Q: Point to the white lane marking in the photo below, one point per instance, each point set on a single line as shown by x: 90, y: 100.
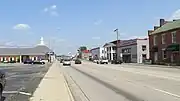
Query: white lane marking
x: 163, y: 91
x: 25, y: 93
x: 9, y: 92
x: 150, y: 87
x: 13, y: 92
x: 153, y: 88
x: 158, y: 76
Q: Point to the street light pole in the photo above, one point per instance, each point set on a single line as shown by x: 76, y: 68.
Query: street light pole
x: 117, y: 33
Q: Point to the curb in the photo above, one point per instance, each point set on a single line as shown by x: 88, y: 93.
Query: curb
x: 69, y: 91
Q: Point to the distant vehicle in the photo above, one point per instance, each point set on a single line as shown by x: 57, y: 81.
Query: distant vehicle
x: 103, y: 61
x: 5, y: 61
x: 2, y: 83
x: 66, y: 62
x: 28, y: 62
x: 95, y: 61
x: 116, y: 62
x: 78, y: 61
x: 12, y: 61
x: 38, y: 62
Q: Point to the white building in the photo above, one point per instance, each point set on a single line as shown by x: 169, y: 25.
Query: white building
x: 97, y: 53
x: 110, y: 50
x: 134, y: 50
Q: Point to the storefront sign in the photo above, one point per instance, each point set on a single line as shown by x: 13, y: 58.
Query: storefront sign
x: 128, y: 42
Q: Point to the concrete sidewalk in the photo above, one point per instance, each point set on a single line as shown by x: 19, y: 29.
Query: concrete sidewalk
x: 53, y: 86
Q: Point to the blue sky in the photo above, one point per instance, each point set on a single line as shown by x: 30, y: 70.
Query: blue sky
x: 67, y: 24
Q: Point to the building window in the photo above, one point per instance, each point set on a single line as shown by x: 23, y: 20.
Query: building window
x: 114, y: 48
x: 173, y: 34
x: 143, y: 47
x: 155, y: 40
x: 102, y: 51
x: 164, y: 54
x: 163, y: 39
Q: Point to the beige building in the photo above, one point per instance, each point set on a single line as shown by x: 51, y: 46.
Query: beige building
x: 39, y: 52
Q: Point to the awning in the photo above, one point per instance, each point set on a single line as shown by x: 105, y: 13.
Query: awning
x: 173, y: 47
x: 154, y: 49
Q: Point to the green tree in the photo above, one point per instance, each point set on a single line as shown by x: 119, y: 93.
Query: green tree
x: 82, y: 48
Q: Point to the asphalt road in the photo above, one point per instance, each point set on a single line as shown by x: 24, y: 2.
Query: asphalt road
x: 124, y: 82
x: 22, y: 80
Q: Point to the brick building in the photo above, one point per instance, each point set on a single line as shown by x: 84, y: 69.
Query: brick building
x: 164, y: 42
x: 85, y: 54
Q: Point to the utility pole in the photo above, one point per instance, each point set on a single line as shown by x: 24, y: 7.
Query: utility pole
x: 117, y: 33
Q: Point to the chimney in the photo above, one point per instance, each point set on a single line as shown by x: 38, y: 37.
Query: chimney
x: 156, y: 27
x: 149, y: 32
x: 162, y: 22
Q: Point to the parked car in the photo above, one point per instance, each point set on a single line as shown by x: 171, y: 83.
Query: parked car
x: 28, y: 62
x: 12, y: 61
x: 66, y: 62
x: 116, y: 62
x: 95, y: 61
x: 2, y: 83
x: 5, y: 61
x: 102, y: 61
x: 38, y: 62
x: 78, y: 61
x: 61, y: 60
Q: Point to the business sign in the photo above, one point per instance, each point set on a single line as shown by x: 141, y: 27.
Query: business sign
x: 128, y: 42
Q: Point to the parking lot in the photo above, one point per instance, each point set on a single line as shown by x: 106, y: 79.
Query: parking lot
x: 22, y: 80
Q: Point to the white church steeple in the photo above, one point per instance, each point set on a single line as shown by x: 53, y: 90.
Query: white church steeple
x: 42, y: 41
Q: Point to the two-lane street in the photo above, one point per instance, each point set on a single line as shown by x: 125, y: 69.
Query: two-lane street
x: 105, y: 82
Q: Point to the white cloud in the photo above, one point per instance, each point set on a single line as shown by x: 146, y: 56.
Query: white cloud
x: 96, y: 38
x: 21, y: 27
x: 54, y: 13
x: 52, y: 10
x: 58, y: 28
x: 98, y: 22
x: 175, y: 15
x: 45, y: 9
x: 53, y: 7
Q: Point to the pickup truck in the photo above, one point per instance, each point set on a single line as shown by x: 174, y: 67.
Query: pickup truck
x: 102, y: 61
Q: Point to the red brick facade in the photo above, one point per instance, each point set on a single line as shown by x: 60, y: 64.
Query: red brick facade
x: 171, y: 56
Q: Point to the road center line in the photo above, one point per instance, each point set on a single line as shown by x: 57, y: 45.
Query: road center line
x: 153, y: 88
x: 25, y: 93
